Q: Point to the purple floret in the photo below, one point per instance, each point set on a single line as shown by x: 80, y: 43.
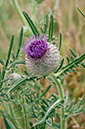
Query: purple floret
x: 36, y: 49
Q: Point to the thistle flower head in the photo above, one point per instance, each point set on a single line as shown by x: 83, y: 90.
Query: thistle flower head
x: 41, y: 56
x: 36, y: 48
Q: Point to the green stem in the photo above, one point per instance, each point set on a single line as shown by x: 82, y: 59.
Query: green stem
x: 14, y: 121
x: 19, y: 12
x: 24, y: 112
x: 61, y: 93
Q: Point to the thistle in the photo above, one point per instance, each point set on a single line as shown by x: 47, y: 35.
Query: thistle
x: 42, y: 57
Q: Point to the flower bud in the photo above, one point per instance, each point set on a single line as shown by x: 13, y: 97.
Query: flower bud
x: 13, y: 78
x: 42, y: 57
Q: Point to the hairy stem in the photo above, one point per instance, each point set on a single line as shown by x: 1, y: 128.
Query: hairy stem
x: 24, y: 111
x: 19, y: 12
x: 13, y: 120
x: 61, y: 96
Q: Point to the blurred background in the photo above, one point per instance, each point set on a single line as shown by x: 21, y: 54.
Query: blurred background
x: 68, y: 21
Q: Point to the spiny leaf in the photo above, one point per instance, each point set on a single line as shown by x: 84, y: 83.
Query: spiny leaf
x: 48, y: 111
x: 20, y: 41
x: 74, y: 54
x: 70, y: 65
x: 31, y: 24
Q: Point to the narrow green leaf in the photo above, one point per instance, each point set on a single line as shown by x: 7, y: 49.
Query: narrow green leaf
x: 9, y: 53
x: 56, y: 5
x: 70, y: 65
x: 5, y: 121
x: 46, y: 25
x: 72, y: 58
x: 60, y: 41
x: 20, y: 41
x: 48, y: 111
x: 70, y: 70
x: 79, y: 104
x: 81, y: 12
x: 62, y: 61
x: 6, y: 79
x: 41, y: 30
x: 73, y: 53
x: 1, y: 89
x: 20, y: 81
x: 73, y: 70
x: 70, y: 106
x: 17, y: 62
x: 31, y: 125
x: 17, y: 83
x: 13, y: 55
x: 44, y: 101
x: 83, y: 64
x: 45, y: 91
x: 78, y: 111
x: 67, y: 59
x: 2, y: 77
x: 58, y: 117
x: 83, y: 111
x: 56, y: 125
x: 31, y: 24
x: 1, y: 61
x: 51, y: 28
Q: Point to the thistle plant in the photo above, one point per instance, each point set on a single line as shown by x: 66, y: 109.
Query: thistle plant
x: 24, y: 106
